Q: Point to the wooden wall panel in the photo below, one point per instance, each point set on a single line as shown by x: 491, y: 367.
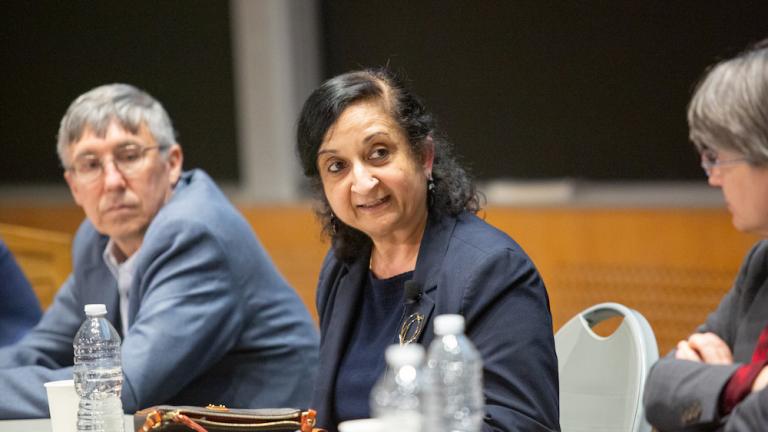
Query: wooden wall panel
x: 64, y: 218
x: 43, y: 255
x: 672, y: 265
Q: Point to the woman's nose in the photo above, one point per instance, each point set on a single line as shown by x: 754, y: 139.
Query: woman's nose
x: 362, y: 181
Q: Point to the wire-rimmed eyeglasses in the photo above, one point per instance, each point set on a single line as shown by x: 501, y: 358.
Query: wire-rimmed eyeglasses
x: 128, y: 159
x: 711, y: 160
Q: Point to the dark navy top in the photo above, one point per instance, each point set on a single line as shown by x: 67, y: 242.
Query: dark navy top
x: 377, y: 326
x: 19, y: 307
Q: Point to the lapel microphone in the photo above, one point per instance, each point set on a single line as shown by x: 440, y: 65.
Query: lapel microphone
x: 412, y: 291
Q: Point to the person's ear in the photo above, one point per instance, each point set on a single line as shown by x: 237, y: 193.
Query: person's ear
x: 175, y: 160
x: 428, y: 155
x: 74, y: 188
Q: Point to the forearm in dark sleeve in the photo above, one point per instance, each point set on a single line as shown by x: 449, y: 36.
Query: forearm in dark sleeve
x: 750, y: 415
x: 680, y: 393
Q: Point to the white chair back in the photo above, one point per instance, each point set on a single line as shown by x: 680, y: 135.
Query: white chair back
x: 602, y: 378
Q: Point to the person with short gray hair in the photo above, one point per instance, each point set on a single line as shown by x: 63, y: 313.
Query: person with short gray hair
x: 204, y: 315
x: 717, y: 378
x: 126, y: 104
x: 729, y: 110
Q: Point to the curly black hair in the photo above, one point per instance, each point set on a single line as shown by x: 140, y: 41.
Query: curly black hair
x: 453, y: 190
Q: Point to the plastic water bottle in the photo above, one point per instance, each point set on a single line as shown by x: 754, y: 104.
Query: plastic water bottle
x: 454, y: 400
x: 396, y: 398
x: 98, y: 375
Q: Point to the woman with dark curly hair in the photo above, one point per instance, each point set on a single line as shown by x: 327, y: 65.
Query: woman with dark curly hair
x: 406, y: 247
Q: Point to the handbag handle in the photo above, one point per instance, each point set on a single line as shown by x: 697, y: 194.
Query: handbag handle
x: 158, y: 418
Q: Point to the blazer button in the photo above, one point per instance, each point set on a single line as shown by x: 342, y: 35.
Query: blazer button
x: 692, y: 414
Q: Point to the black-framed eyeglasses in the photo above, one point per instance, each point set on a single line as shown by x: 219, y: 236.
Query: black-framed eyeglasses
x: 128, y: 159
x: 711, y: 160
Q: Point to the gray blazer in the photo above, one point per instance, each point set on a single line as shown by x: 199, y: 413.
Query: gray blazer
x: 210, y: 318
x: 684, y: 395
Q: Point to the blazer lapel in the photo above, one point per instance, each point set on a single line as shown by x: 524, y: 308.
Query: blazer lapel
x: 752, y: 324
x: 338, y: 330
x: 434, y: 245
x: 101, y: 287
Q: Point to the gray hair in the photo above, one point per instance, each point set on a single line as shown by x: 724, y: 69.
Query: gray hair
x: 729, y: 109
x: 123, y: 103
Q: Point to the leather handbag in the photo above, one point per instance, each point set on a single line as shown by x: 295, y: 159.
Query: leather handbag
x: 217, y: 418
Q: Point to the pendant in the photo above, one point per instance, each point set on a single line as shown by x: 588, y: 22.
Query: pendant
x: 411, y: 328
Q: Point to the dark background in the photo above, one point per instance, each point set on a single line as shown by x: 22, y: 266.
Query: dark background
x: 536, y: 89
x: 53, y: 51
x: 590, y: 90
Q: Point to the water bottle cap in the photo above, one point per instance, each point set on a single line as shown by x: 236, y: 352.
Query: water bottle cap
x: 95, y: 309
x: 400, y: 355
x: 449, y: 324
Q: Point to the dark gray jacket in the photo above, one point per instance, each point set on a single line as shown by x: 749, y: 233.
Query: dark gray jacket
x: 682, y: 395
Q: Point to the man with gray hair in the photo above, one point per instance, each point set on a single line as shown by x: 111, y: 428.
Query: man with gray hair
x: 717, y: 378
x: 204, y: 315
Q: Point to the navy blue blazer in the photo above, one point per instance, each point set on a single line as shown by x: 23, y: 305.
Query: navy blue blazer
x: 468, y: 267
x: 19, y: 308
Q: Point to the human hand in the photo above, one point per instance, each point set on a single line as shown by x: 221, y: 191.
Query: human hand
x: 761, y: 381
x: 685, y: 352
x: 710, y: 348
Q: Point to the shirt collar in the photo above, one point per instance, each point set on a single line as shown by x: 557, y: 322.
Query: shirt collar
x: 114, y: 266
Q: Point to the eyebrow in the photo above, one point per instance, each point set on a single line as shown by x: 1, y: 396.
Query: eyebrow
x: 366, y: 140
x: 324, y: 151
x: 370, y: 137
x: 122, y: 144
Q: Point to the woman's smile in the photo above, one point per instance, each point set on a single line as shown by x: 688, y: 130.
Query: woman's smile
x: 376, y: 204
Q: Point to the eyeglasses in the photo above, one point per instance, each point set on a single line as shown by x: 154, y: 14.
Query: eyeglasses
x: 128, y: 159
x: 711, y: 160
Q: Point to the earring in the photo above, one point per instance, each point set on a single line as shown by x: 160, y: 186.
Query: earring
x: 333, y: 224
x: 430, y: 190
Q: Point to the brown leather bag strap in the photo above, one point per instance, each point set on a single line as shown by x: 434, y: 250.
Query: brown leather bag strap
x: 156, y: 419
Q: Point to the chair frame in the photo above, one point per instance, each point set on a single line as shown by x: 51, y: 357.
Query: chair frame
x: 643, y: 338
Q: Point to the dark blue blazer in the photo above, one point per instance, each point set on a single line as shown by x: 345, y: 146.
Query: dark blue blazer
x: 19, y: 307
x: 468, y: 267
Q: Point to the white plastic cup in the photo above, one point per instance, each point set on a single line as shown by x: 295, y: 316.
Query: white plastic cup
x: 63, y: 403
x: 362, y: 425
